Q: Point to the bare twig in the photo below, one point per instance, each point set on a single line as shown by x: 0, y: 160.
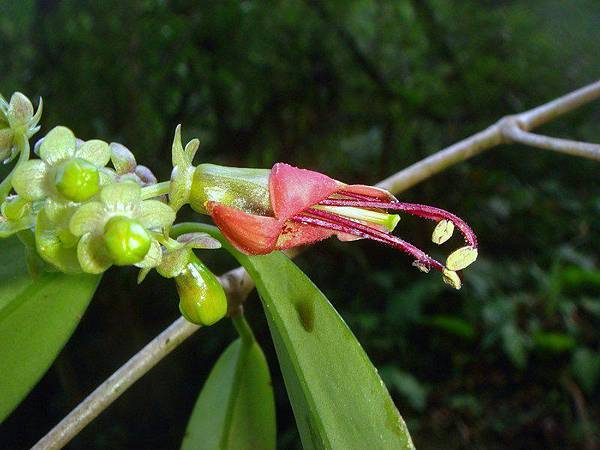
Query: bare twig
x: 488, y: 138
x: 581, y: 411
x: 516, y: 134
x: 117, y: 383
x: 238, y: 284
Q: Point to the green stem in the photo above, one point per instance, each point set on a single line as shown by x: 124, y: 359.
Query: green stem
x: 243, y: 329
x: 165, y: 241
x: 6, y: 185
x: 156, y: 190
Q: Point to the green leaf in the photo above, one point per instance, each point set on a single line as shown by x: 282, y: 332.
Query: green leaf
x: 514, y: 345
x: 453, y: 325
x: 36, y: 319
x: 552, y: 342
x: 236, y: 408
x: 407, y: 386
x: 338, y: 398
x: 585, y: 366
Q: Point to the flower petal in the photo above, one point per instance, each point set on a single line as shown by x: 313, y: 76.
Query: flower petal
x: 121, y: 197
x: 295, y: 234
x: 174, y: 263
x: 293, y: 190
x: 369, y: 191
x: 153, y: 257
x: 59, y: 211
x: 251, y: 234
x: 51, y: 248
x: 107, y: 176
x: 92, y: 254
x: 29, y: 180
x: 145, y: 175
x: 88, y: 218
x: 122, y: 158
x: 155, y: 214
x: 199, y: 240
x: 94, y: 151
x: 9, y: 227
x: 58, y: 144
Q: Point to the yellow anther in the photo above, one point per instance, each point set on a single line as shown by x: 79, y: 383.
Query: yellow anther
x: 450, y: 277
x: 442, y: 232
x: 461, y: 258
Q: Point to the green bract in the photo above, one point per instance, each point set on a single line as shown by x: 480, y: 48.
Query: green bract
x: 66, y: 172
x: 105, y: 242
x: 183, y: 170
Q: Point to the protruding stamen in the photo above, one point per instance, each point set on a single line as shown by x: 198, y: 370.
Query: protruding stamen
x: 442, y: 231
x: 334, y: 222
x: 427, y: 212
x: 461, y: 258
x: 389, y: 221
x: 451, y: 277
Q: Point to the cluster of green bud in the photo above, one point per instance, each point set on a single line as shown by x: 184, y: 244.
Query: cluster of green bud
x: 83, y: 206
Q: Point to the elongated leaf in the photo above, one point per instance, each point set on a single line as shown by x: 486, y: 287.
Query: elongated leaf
x: 36, y: 319
x: 338, y: 398
x: 236, y: 408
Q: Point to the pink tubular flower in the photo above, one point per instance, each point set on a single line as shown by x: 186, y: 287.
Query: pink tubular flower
x: 308, y: 206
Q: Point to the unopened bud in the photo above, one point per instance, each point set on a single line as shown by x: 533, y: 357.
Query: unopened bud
x: 127, y: 240
x: 77, y: 180
x: 15, y: 208
x: 201, y: 297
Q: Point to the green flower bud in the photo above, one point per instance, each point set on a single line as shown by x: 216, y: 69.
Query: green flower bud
x: 77, y: 180
x: 127, y: 240
x: 15, y: 208
x: 201, y: 297
x: 245, y: 189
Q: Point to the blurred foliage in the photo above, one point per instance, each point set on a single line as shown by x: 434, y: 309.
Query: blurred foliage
x: 357, y: 89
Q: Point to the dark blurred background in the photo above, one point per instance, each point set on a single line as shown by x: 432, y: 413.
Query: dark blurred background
x: 358, y: 89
